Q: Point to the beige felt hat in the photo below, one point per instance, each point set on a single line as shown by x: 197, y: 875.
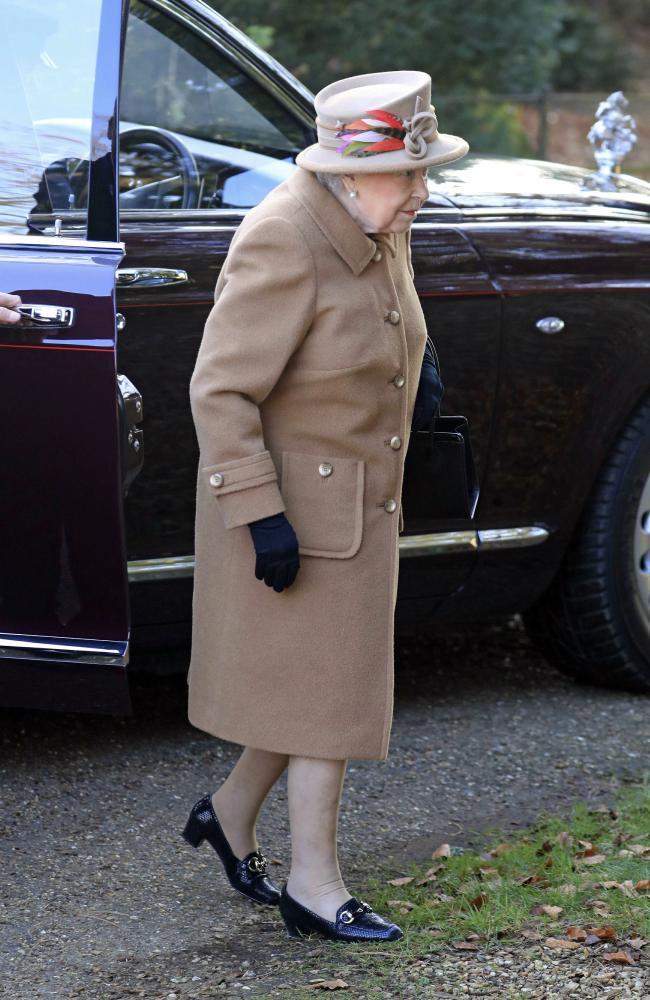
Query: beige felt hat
x: 378, y: 123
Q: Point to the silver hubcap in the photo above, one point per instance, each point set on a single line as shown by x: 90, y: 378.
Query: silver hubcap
x: 642, y: 553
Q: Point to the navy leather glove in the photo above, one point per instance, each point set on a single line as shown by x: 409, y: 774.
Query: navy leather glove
x: 429, y: 394
x: 276, y: 547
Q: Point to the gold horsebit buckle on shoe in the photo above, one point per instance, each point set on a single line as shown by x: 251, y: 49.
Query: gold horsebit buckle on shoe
x: 257, y: 864
x: 347, y: 916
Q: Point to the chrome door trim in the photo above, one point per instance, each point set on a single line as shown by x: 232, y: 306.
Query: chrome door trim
x: 167, y: 568
x: 430, y: 544
x: 512, y: 538
x: 58, y: 243
x: 96, y: 651
x: 427, y: 216
x: 437, y: 543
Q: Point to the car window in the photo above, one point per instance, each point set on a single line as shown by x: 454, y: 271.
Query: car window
x: 47, y: 76
x: 196, y: 131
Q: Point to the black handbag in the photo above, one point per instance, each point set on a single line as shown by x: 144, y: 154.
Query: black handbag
x: 440, y: 478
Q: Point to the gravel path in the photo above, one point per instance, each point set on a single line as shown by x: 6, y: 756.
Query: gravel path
x: 102, y: 898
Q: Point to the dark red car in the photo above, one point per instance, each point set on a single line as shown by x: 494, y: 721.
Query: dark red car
x: 536, y: 291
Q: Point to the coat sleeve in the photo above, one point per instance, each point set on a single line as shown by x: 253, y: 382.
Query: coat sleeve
x: 264, y: 305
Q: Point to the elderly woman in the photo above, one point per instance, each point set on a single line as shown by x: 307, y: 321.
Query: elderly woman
x: 307, y: 381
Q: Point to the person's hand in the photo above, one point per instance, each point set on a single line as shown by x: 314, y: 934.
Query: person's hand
x: 276, y: 547
x: 429, y: 394
x: 8, y: 305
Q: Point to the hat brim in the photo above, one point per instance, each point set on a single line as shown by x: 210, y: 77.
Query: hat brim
x: 444, y: 148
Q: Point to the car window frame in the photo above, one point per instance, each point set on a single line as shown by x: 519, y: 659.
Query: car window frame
x: 215, y: 34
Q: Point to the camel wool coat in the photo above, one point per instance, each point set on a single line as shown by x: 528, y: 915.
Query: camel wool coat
x: 302, y: 398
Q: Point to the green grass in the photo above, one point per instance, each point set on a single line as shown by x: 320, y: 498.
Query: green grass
x: 443, y: 914
x: 463, y: 900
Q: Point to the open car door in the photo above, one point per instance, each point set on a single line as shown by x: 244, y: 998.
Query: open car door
x: 64, y: 610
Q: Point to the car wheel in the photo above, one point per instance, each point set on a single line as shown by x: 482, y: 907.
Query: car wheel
x: 593, y: 622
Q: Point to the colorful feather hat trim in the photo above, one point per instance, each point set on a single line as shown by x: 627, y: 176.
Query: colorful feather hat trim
x: 379, y: 131
x: 376, y: 132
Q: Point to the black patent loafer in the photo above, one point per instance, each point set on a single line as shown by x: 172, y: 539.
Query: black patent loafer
x: 246, y: 875
x: 355, y: 921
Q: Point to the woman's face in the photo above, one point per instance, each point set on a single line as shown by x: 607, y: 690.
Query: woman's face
x: 386, y: 203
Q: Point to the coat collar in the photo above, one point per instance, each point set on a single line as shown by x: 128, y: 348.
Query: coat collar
x: 347, y: 237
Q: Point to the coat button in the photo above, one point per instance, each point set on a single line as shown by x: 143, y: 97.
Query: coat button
x: 390, y: 506
x: 216, y: 479
x: 395, y: 442
x: 399, y: 381
x: 393, y: 317
x: 325, y: 468
x: 378, y: 255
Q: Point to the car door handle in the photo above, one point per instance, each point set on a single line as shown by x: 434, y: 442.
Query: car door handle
x: 45, y: 315
x: 147, y: 277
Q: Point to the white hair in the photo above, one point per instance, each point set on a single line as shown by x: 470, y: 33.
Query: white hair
x: 333, y: 182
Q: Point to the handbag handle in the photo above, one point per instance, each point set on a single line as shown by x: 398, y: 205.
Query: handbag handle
x: 436, y: 412
x: 435, y: 355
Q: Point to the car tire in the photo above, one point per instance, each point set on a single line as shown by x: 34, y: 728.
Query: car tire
x: 593, y: 623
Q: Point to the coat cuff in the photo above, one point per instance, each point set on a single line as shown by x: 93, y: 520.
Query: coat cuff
x: 246, y: 489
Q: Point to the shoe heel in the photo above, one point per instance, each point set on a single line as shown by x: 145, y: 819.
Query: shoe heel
x: 193, y: 833
x: 293, y: 929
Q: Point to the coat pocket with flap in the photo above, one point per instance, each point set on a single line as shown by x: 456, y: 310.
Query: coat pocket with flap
x: 324, y: 501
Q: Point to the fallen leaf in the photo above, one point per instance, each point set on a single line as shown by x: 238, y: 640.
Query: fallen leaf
x: 564, y: 838
x: 643, y: 884
x: 429, y: 875
x: 606, y: 933
x: 479, y: 900
x: 402, y: 905
x: 533, y: 880
x: 551, y: 911
x: 622, y: 957
x: 590, y: 859
x: 560, y: 943
x: 464, y: 945
x: 328, y: 984
x: 576, y: 933
x: 489, y: 871
x: 444, y: 851
x: 426, y: 880
x: 637, y: 943
x: 568, y: 889
x: 401, y: 881
x: 496, y: 851
x: 545, y: 848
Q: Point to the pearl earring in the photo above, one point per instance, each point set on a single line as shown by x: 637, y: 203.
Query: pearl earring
x: 352, y: 194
